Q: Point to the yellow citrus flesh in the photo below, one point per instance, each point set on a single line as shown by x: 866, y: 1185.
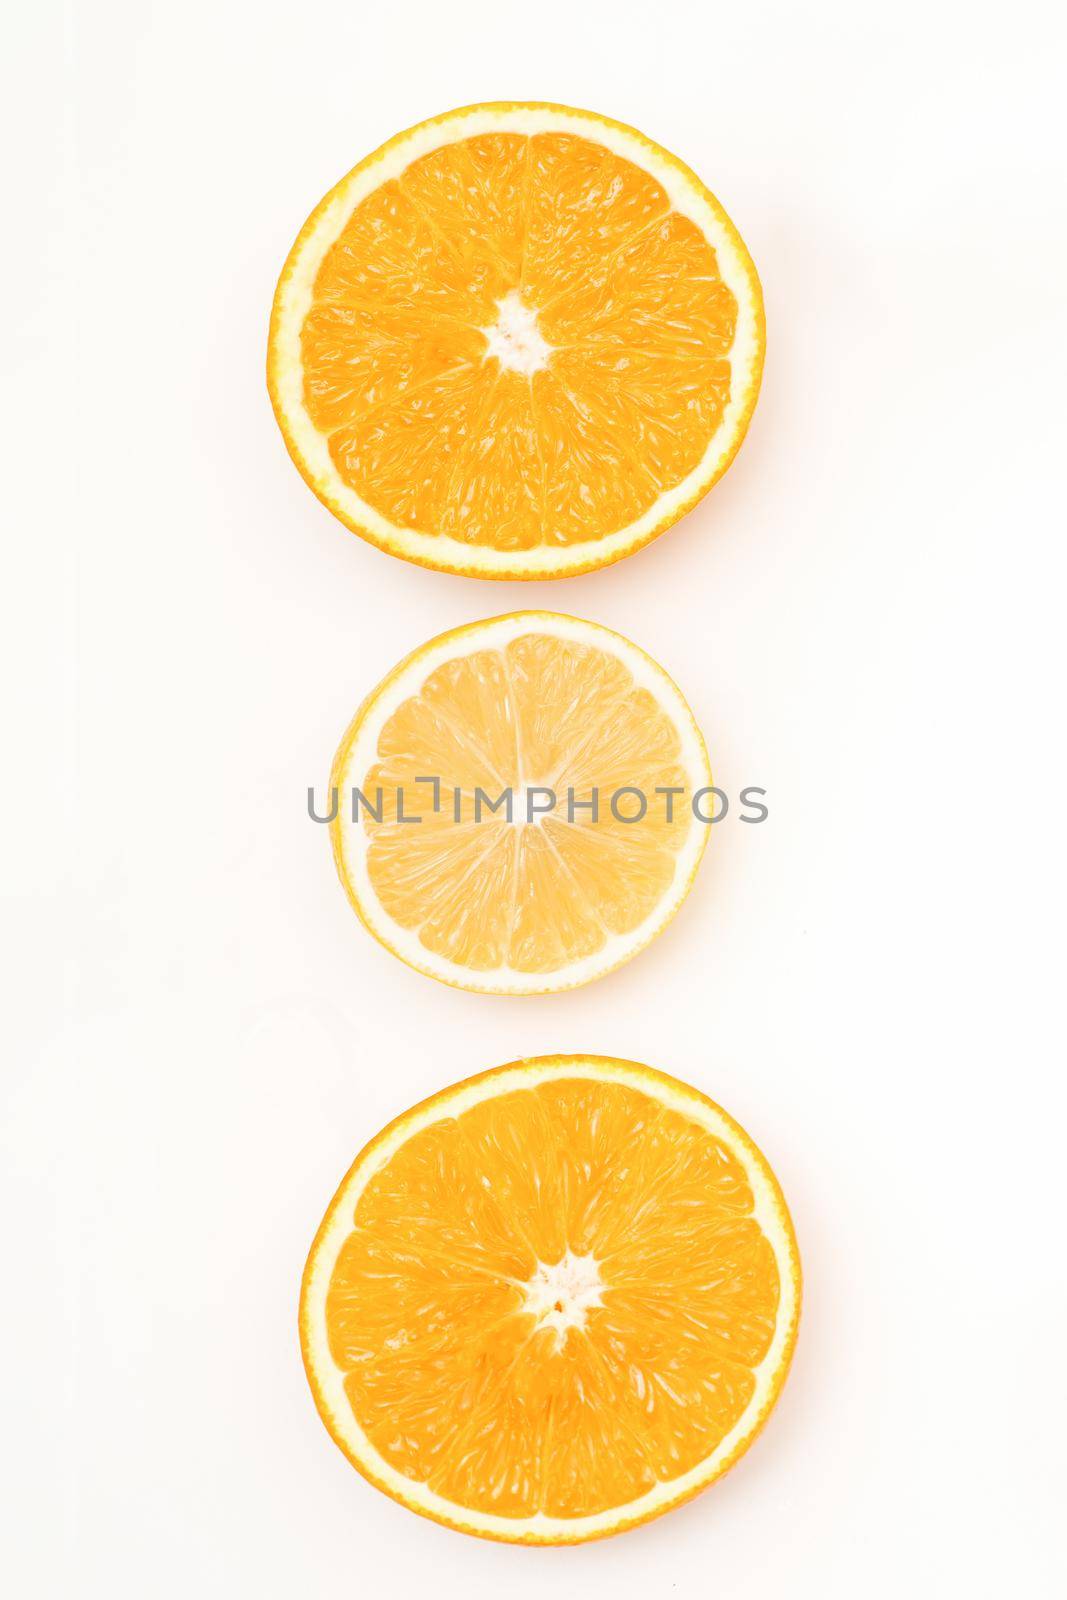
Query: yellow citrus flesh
x: 518, y: 341
x: 528, y: 706
x: 553, y: 1301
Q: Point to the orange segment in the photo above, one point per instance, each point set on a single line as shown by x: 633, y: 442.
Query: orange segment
x: 553, y: 1301
x: 583, y: 203
x: 389, y: 257
x: 669, y: 402
x: 522, y: 351
x: 473, y: 195
x: 589, y: 469
x: 660, y: 292
x: 412, y: 447
x: 500, y: 480
x: 484, y: 862
x: 363, y: 360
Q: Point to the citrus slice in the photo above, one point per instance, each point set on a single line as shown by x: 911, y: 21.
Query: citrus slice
x: 518, y: 341
x: 553, y: 1301
x: 521, y: 805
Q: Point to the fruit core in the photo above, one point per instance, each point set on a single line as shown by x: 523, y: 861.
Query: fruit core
x: 559, y: 1294
x: 515, y: 339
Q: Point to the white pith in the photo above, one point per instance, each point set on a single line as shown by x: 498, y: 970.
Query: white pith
x: 353, y: 838
x: 526, y: 810
x: 515, y: 339
x: 768, y: 1212
x: 560, y: 1293
x: 295, y: 293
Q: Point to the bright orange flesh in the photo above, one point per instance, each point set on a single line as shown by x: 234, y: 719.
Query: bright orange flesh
x: 440, y: 435
x: 513, y: 1405
x: 546, y: 712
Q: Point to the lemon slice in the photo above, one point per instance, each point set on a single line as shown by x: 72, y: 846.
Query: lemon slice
x: 444, y: 835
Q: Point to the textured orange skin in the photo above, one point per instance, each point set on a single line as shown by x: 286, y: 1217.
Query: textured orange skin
x: 338, y: 766
x: 625, y: 1523
x: 518, y: 570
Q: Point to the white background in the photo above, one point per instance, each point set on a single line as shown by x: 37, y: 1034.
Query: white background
x: 866, y: 616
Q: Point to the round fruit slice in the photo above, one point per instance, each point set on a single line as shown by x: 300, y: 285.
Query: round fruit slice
x: 518, y: 341
x: 553, y: 1301
x: 521, y: 805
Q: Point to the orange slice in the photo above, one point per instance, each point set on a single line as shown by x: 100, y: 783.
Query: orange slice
x: 512, y: 714
x: 553, y: 1301
x: 518, y: 341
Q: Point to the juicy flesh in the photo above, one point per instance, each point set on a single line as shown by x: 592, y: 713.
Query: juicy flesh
x: 541, y: 713
x: 554, y: 1301
x: 441, y: 419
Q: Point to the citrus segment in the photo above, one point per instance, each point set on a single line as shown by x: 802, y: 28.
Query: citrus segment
x: 553, y: 1301
x: 503, y: 820
x: 516, y: 341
